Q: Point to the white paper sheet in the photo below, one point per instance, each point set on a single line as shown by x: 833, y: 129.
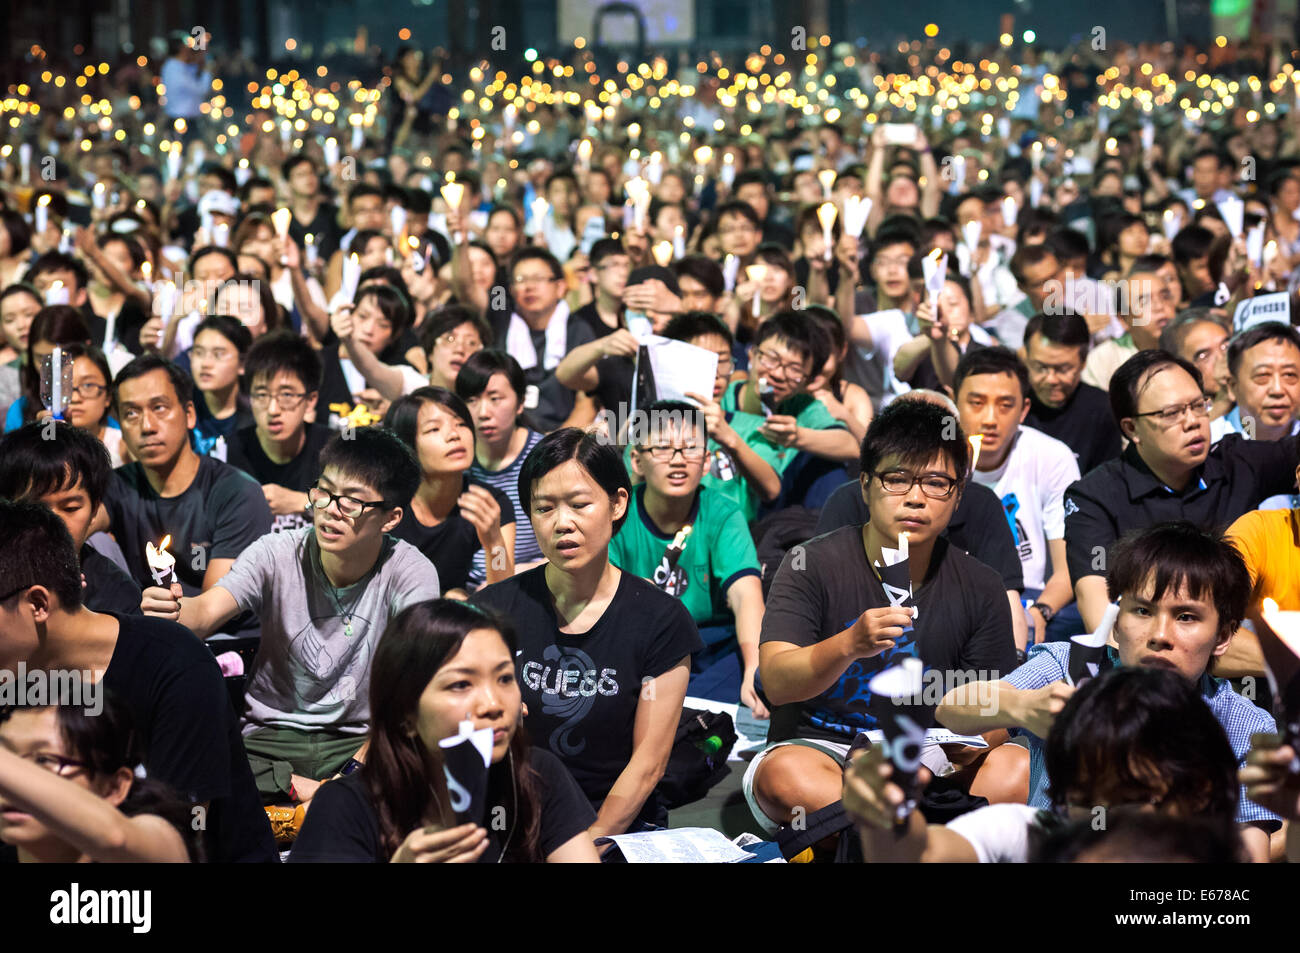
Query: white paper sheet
x: 686, y: 845
x: 680, y: 368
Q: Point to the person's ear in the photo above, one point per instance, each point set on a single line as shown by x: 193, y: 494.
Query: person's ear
x: 1024, y: 411
x: 635, y: 456
x: 620, y: 503
x: 1232, y: 388
x: 1128, y: 426
x: 191, y: 418
x: 1222, y: 641
x: 311, y: 401
x: 116, y: 787
x: 394, y: 517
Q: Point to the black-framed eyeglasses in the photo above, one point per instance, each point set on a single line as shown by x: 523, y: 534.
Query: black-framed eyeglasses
x: 89, y: 390
x: 349, y: 506
x: 936, y: 486
x: 1168, y: 416
x: 665, y: 454
x: 287, y: 399
x: 770, y: 362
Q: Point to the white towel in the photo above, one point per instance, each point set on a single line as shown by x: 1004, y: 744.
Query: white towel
x: 519, y: 339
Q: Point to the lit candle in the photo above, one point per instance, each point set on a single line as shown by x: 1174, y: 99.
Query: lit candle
x: 634, y: 131
x: 221, y: 235
x: 174, y: 157
x: 146, y: 270
x: 584, y: 154
x: 1172, y: 223
x: 756, y: 273
x: 281, y: 218
x: 331, y: 152
x: 934, y: 267
x: 655, y: 168
x: 351, y: 276
x: 1009, y: 211
x: 358, y: 135
x: 827, y: 178
x: 413, y: 253
x: 162, y: 564
x: 826, y: 213
x: 728, y: 173
x: 1036, y: 155
x: 539, y: 208
x: 397, y: 218
x: 975, y: 443
x: 99, y: 196
x: 663, y: 252
x: 42, y: 214
x: 309, y: 243
x: 57, y: 293
x: 679, y: 242
x: 856, y: 212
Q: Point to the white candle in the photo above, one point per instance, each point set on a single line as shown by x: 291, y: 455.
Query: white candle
x: 728, y: 173
x: 331, y: 152
x: 756, y: 273
x: 309, y: 242
x: 679, y: 242
x: 663, y: 252
x: 351, y: 276
x: 56, y: 382
x: 162, y: 564
x: 827, y: 178
x: 174, y: 162
x: 25, y: 160
x: 281, y: 218
x: 42, y: 214
x: 826, y: 213
x: 358, y: 136
x: 99, y: 197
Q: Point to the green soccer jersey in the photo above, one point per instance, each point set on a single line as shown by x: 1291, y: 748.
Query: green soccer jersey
x: 723, y: 474
x: 718, y: 551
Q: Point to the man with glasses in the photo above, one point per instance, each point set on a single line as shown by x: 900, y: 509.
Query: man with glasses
x: 692, y: 542
x: 281, y: 451
x: 539, y: 334
x: 211, y: 510
x: 1060, y: 404
x: 1169, y: 471
x: 1264, y: 380
x: 740, y: 231
x: 1201, y: 335
x: 831, y: 624
x: 1148, y: 310
x: 325, y: 594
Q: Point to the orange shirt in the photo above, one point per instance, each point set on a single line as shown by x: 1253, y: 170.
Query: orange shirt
x: 1269, y: 542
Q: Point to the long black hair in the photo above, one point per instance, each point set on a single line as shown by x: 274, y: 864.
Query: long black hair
x: 404, y: 778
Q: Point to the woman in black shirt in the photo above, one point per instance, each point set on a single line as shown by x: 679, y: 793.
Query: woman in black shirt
x: 604, y: 656
x: 439, y: 663
x: 450, y: 518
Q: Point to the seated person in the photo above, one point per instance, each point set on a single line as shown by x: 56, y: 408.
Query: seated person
x: 1163, y: 748
x: 281, y: 450
x: 54, y: 326
x: 1029, y: 471
x: 324, y: 595
x: 978, y: 524
x: 439, y: 663
x: 604, y: 657
x: 1182, y: 594
x: 69, y: 792
x: 830, y: 624
x: 1264, y: 380
x: 492, y: 386
x: 169, y: 682
x: 1150, y: 309
x: 1060, y: 404
x: 1169, y: 470
x: 366, y: 335
x: 450, y: 517
x: 212, y: 511
x: 70, y: 474
x: 777, y: 417
x: 713, y: 569
x: 221, y: 344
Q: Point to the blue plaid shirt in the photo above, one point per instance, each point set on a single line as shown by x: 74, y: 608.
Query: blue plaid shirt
x: 1049, y: 662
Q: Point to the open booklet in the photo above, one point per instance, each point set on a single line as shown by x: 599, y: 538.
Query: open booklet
x: 669, y: 370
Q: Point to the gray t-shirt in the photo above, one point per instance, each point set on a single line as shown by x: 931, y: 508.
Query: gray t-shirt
x: 309, y: 674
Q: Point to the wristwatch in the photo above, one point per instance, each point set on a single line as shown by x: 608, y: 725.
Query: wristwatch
x: 1046, y: 610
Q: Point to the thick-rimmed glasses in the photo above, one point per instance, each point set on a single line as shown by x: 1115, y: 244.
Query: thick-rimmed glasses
x: 349, y: 506
x: 1168, y: 416
x: 665, y: 454
x: 936, y: 486
x: 770, y: 362
x: 287, y: 399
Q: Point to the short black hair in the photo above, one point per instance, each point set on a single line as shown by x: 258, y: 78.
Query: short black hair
x: 601, y: 460
x: 1174, y: 335
x: 1066, y: 243
x: 32, y: 467
x: 661, y: 413
x: 991, y: 360
x: 1182, y: 556
x: 230, y: 328
x: 605, y: 248
x: 36, y: 549
x: 801, y: 335
x: 377, y: 458
x: 393, y: 304
x: 147, y: 363
x: 1064, y: 330
x: 749, y: 177
x: 743, y: 209
x: 1027, y: 255
x: 1126, y: 384
x: 1132, y: 724
x: 284, y: 351
x: 694, y: 324
x: 361, y: 190
x: 1259, y: 334
x: 403, y: 417
x: 207, y: 250
x: 58, y: 261
x: 915, y: 431
x: 295, y: 160
x: 477, y: 371
x: 1191, y: 242
x: 1139, y: 837
x: 704, y: 270
x: 540, y: 254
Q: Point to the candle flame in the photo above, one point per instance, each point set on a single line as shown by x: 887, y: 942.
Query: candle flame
x: 663, y: 252
x: 826, y: 213
x: 280, y: 218
x: 756, y: 271
x: 166, y: 541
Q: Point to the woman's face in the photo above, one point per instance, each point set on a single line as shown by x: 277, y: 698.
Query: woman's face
x: 495, y: 410
x: 16, y: 314
x: 90, y: 398
x: 573, y: 516
x: 1134, y: 239
x: 34, y: 734
x: 776, y: 284
x: 261, y: 243
x: 214, y: 361
x: 376, y: 253
x: 476, y: 684
x: 443, y: 442
x: 373, y: 330
x: 482, y: 269
x: 120, y: 256
x: 451, y: 351
x: 501, y: 235
x: 1289, y: 195
x: 242, y: 301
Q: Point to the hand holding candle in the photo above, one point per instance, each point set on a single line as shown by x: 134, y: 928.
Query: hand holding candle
x: 162, y: 564
x: 756, y: 273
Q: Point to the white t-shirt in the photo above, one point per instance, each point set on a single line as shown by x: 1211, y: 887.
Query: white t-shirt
x: 999, y: 833
x: 1031, y: 484
x: 889, y: 332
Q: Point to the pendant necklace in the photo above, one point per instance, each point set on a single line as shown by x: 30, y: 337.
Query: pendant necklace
x: 334, y: 595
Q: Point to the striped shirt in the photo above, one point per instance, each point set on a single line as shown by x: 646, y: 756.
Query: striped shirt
x: 1239, y: 717
x: 507, y: 481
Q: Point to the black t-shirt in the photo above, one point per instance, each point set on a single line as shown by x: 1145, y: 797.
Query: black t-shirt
x: 924, y: 374
x: 1123, y: 495
x: 451, y: 545
x: 963, y: 624
x: 108, y: 588
x: 218, y: 516
x: 582, y: 691
x: 299, y: 474
x: 343, y: 826
x: 324, y: 227
x: 590, y: 316
x: 334, y: 387
x: 189, y: 731
x: 978, y: 525
x: 1085, y: 425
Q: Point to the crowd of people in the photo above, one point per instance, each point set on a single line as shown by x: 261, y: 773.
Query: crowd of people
x: 329, y: 441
